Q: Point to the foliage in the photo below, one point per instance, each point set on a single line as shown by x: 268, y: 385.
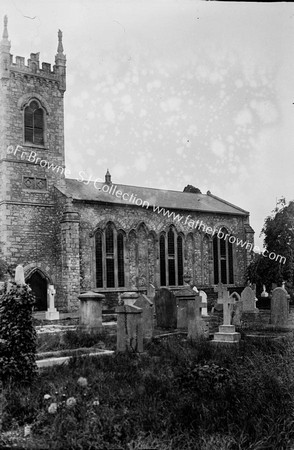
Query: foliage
x: 176, y: 395
x: 278, y: 231
x: 17, y: 334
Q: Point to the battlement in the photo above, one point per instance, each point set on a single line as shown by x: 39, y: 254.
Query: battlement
x: 32, y: 68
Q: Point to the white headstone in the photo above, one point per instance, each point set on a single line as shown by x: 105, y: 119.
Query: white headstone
x: 264, y: 293
x: 204, y: 300
x: 19, y: 275
x: 227, y: 332
x: 51, y: 313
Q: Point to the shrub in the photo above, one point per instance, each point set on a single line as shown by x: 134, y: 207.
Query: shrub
x: 17, y: 334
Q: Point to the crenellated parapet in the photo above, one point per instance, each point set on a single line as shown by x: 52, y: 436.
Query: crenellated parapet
x: 33, y: 70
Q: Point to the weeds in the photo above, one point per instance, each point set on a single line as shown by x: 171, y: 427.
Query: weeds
x: 177, y: 395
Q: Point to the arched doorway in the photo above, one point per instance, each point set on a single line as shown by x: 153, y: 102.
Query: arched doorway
x: 38, y: 284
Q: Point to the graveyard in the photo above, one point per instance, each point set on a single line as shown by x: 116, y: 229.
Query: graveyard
x: 180, y: 370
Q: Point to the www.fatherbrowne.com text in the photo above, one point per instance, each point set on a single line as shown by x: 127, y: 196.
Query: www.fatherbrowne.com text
x: 133, y: 199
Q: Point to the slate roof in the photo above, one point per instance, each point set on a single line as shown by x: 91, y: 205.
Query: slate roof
x: 155, y: 197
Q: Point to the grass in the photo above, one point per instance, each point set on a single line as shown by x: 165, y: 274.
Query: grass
x: 175, y: 396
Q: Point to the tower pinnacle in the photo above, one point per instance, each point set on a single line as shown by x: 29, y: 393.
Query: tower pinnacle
x: 60, y: 46
x: 5, y: 31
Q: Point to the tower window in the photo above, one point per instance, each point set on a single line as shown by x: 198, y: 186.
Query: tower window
x: 34, y: 123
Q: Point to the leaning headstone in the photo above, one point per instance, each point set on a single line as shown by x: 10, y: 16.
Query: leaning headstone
x: 204, y: 300
x: 91, y: 312
x: 197, y: 327
x: 165, y: 309
x: 129, y: 329
x: 279, y: 308
x: 19, y: 275
x: 227, y: 332
x: 51, y: 313
x: 248, y: 300
x: 147, y: 307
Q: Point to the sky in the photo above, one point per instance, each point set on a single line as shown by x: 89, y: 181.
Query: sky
x: 167, y: 93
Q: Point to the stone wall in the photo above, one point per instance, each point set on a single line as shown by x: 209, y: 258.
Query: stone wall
x: 142, y: 228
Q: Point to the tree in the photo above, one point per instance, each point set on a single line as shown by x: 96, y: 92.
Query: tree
x: 278, y: 231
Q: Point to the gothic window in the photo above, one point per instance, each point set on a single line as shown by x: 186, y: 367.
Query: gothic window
x: 171, y: 259
x: 223, y: 259
x: 34, y: 123
x: 109, y: 253
x: 162, y: 260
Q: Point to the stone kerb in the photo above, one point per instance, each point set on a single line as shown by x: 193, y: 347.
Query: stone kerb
x: 91, y: 311
x: 147, y: 307
x: 129, y: 329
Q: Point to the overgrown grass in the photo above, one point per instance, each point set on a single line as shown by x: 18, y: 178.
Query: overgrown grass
x: 177, y: 395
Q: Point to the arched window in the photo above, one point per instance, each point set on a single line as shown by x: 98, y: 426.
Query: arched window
x: 109, y: 252
x: 223, y: 259
x: 171, y: 259
x: 34, y: 123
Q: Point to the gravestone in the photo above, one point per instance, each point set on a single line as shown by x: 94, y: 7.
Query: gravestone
x: 204, y: 301
x: 197, y: 327
x: 91, y: 311
x: 185, y: 306
x: 227, y: 332
x: 19, y: 275
x: 147, y: 307
x: 237, y: 309
x: 249, y: 300
x: 165, y: 309
x: 151, y: 291
x: 129, y: 329
x: 129, y: 298
x: 264, y: 293
x: 279, y: 308
x: 51, y: 313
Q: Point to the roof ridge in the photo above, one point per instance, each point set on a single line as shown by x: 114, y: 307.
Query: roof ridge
x: 135, y: 186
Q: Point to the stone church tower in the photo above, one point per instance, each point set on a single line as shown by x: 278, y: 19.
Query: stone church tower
x: 31, y: 159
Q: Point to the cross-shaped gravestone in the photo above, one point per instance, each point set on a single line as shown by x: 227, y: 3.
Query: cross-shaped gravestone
x: 51, y: 313
x: 51, y: 294
x: 226, y: 301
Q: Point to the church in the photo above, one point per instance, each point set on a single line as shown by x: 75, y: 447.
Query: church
x: 99, y: 235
